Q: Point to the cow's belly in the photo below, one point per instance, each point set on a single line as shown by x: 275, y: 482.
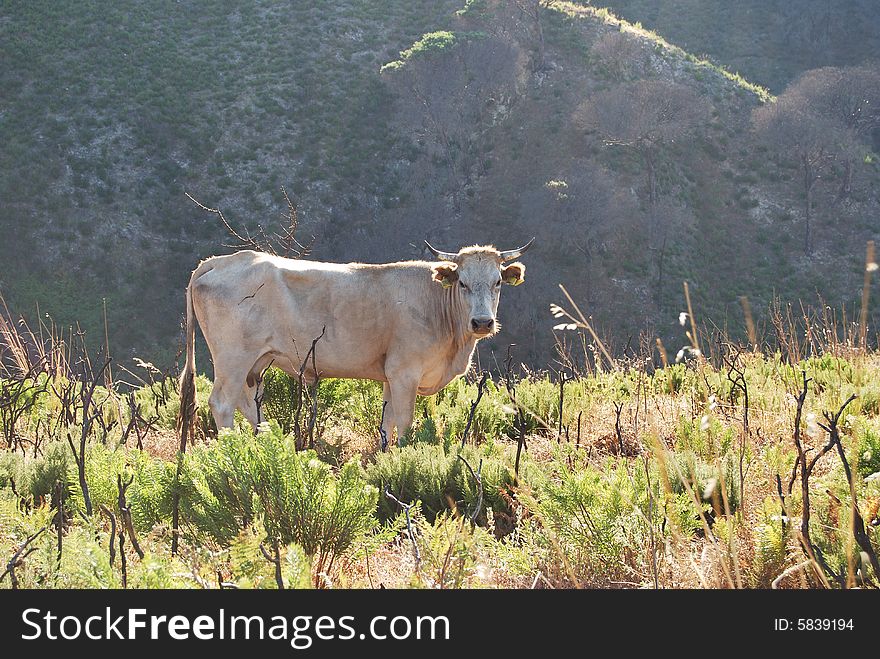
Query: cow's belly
x: 331, y: 360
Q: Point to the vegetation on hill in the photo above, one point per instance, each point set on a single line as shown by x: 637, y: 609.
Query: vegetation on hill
x: 770, y: 42
x: 459, y: 122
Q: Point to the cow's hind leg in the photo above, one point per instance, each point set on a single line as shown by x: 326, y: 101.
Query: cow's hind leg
x: 229, y: 394
x: 222, y: 406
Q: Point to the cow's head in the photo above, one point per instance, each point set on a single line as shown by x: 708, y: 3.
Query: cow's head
x: 475, y: 274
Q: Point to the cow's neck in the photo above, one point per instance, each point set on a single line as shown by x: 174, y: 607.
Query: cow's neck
x: 457, y: 343
x: 454, y: 324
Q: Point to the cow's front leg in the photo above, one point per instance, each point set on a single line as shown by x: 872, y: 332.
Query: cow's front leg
x: 403, y: 399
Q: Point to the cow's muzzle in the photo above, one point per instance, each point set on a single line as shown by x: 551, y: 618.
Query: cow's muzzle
x: 482, y: 325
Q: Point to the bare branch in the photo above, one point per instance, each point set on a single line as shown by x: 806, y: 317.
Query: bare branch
x: 480, y: 390
x: 478, y: 479
x: 19, y: 556
x: 409, y: 527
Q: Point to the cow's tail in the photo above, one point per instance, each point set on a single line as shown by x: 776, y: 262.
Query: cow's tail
x: 187, y: 414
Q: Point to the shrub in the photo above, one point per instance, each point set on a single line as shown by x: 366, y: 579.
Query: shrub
x: 162, y: 400
x: 451, y: 406
x: 686, y: 469
x: 150, y: 497
x: 279, y: 398
x: 11, y: 469
x: 770, y: 544
x: 226, y: 486
x: 353, y: 403
x: 250, y: 569
x: 866, y: 447
x: 450, y: 549
x: 436, y: 477
x: 53, y: 466
x: 595, y: 519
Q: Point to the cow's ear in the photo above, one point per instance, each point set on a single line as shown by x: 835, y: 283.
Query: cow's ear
x: 515, y: 273
x: 445, y: 273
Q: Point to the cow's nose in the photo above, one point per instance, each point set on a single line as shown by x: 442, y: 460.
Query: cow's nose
x: 482, y: 324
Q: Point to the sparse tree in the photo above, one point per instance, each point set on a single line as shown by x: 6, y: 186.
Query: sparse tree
x: 849, y: 97
x: 816, y: 124
x: 647, y: 116
x: 452, y: 87
x: 621, y: 54
x: 585, y: 216
x: 532, y: 11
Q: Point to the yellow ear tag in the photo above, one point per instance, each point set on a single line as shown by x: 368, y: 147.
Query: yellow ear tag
x: 514, y: 281
x: 446, y: 283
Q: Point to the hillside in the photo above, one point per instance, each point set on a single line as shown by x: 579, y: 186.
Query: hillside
x: 112, y: 114
x: 771, y: 41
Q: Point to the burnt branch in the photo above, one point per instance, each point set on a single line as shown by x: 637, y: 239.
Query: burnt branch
x: 59, y: 517
x: 858, y: 524
x: 109, y: 513
x: 736, y: 375
x: 125, y: 512
x: 281, y: 242
x: 618, y: 408
x: 302, y: 433
x: 383, y: 436
x: 784, y: 516
x: 19, y: 556
x: 18, y: 395
x: 90, y: 412
x: 186, y: 427
x: 562, y: 380
x: 802, y: 397
x: 409, y: 527
x: 275, y: 559
x: 123, y: 559
x: 520, y: 419
x: 481, y: 386
x: 810, y: 550
x: 478, y: 479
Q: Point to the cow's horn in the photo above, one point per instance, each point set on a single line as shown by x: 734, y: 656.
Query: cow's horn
x: 512, y: 254
x: 443, y: 256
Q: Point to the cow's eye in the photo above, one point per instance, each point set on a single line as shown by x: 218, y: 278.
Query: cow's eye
x: 462, y: 285
x: 497, y: 283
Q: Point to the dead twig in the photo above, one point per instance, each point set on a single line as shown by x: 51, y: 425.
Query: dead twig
x: 125, y: 511
x: 275, y: 559
x: 480, y: 390
x: 112, y: 517
x: 787, y: 572
x: 478, y: 479
x: 19, y: 556
x: 409, y: 527
x: 279, y: 243
x: 858, y: 524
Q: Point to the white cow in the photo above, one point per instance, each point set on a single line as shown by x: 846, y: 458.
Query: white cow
x: 412, y: 325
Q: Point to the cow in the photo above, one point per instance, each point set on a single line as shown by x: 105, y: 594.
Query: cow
x: 412, y: 325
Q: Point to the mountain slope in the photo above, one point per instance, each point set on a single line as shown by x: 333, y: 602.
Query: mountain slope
x: 771, y: 41
x: 113, y: 113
